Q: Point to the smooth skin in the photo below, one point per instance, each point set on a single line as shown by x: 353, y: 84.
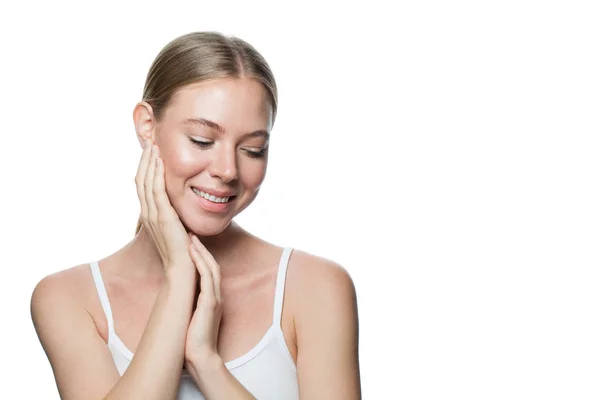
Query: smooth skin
x: 153, y: 282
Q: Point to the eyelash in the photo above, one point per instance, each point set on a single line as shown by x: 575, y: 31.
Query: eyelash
x: 252, y: 154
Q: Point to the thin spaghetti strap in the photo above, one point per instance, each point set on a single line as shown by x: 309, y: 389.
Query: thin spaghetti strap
x: 101, y: 289
x: 280, y: 286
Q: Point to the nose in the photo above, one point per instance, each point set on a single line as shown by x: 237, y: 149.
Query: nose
x: 224, y: 164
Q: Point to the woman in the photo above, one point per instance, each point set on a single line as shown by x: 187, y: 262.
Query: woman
x: 193, y: 289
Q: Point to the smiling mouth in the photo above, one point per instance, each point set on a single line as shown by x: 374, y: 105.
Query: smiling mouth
x: 212, y: 198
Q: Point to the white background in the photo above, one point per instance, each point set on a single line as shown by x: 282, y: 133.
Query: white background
x: 446, y: 153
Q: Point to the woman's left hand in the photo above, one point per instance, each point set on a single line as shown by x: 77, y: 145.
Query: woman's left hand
x: 203, y: 331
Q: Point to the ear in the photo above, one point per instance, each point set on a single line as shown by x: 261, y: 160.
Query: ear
x: 143, y: 119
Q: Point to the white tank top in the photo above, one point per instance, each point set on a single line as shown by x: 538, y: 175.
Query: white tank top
x: 267, y: 370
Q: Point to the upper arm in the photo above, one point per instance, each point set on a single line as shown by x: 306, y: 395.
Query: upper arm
x: 82, y: 364
x: 326, y: 324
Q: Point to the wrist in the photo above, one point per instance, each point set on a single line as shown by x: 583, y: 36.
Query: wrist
x: 179, y: 274
x: 181, y: 284
x: 204, y: 369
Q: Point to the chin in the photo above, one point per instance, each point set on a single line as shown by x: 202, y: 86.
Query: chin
x: 204, y: 226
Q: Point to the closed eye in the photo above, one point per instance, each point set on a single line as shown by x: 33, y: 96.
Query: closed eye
x: 254, y: 154
x: 257, y: 154
x: 200, y: 143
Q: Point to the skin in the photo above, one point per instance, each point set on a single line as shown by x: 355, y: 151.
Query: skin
x: 237, y: 270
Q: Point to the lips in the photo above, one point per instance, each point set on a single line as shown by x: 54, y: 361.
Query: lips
x: 216, y: 193
x: 216, y: 207
x: 197, y: 193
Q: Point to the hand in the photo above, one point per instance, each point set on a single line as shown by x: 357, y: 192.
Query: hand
x: 203, y: 331
x: 158, y: 215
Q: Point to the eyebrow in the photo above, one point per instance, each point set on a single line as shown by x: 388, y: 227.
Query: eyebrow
x: 213, y: 125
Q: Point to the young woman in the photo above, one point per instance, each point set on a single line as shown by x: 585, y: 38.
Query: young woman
x: 194, y: 306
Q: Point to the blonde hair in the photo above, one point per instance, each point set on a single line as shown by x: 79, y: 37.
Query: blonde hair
x: 199, y: 56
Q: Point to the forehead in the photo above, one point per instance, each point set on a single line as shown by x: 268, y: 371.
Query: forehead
x: 236, y: 104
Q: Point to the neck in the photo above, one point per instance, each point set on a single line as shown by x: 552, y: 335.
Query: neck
x: 144, y: 260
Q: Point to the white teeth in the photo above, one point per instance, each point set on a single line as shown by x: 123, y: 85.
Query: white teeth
x: 211, y: 197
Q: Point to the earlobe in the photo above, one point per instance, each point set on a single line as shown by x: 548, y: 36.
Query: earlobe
x: 143, y: 120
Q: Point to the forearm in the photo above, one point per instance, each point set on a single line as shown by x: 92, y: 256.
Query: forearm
x: 155, y: 370
x: 216, y: 382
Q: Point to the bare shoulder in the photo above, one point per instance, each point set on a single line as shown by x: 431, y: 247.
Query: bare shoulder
x: 61, y: 286
x: 318, y: 275
x: 70, y: 285
x: 57, y: 296
x: 316, y: 283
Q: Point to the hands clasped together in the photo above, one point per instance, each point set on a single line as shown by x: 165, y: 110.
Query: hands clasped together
x: 180, y: 251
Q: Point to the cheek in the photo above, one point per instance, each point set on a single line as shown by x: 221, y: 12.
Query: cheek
x: 183, y: 161
x: 253, y: 174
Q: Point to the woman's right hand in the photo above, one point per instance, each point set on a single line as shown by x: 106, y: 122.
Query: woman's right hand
x: 158, y: 215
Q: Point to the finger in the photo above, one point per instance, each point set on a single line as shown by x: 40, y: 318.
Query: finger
x: 140, y: 178
x: 217, y: 282
x: 206, y: 281
x: 149, y: 185
x: 163, y: 205
x: 212, y: 264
